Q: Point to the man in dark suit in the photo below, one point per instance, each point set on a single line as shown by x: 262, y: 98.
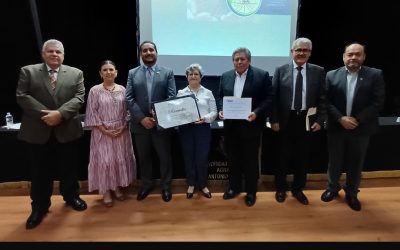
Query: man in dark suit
x: 150, y: 83
x: 242, y: 137
x: 355, y: 96
x: 51, y: 95
x: 297, y: 86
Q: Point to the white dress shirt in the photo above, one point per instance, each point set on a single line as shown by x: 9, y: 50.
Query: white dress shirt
x: 205, y: 102
x: 239, y: 84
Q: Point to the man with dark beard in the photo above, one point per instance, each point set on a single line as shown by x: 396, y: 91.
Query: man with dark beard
x: 146, y: 84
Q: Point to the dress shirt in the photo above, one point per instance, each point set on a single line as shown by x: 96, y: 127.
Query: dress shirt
x: 205, y: 102
x: 239, y: 84
x: 351, y: 86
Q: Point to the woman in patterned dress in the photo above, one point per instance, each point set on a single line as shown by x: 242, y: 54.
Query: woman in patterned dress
x: 112, y: 163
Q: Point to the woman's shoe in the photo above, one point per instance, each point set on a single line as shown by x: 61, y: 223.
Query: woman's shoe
x: 206, y: 193
x: 119, y: 195
x: 107, y: 199
x: 189, y: 192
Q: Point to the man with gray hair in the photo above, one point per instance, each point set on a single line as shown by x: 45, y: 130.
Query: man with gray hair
x: 298, y: 87
x: 50, y: 95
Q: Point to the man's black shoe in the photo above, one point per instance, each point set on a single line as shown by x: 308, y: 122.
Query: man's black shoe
x: 250, y: 199
x: 300, y: 196
x: 166, y: 195
x: 143, y: 194
x: 280, y: 196
x: 353, y: 202
x: 230, y: 194
x: 77, y: 204
x: 34, y: 219
x: 328, y: 195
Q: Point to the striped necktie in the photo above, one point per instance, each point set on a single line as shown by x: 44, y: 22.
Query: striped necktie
x: 53, y: 80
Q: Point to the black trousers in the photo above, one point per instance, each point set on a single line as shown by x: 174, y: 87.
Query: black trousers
x: 293, y: 153
x: 50, y: 161
x: 242, y: 142
x: 346, y: 153
x: 161, y: 142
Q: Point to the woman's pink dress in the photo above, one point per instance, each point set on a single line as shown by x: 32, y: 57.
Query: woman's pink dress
x: 112, y: 161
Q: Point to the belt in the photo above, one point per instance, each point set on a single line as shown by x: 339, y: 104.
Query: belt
x: 298, y: 113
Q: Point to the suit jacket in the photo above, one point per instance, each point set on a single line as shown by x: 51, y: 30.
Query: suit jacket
x: 137, y: 95
x: 257, y: 86
x: 34, y: 94
x: 282, y: 83
x: 368, y: 100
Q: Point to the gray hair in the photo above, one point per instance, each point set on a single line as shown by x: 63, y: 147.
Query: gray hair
x: 244, y: 50
x: 193, y: 67
x: 53, y: 42
x: 302, y: 40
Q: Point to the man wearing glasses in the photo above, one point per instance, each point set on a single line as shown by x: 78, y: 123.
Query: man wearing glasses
x: 298, y: 86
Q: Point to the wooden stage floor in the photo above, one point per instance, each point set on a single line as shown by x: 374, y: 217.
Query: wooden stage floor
x: 210, y: 220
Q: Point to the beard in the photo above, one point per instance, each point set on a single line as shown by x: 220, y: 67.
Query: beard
x: 149, y: 60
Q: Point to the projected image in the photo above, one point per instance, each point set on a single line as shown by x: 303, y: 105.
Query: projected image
x: 217, y: 10
x: 265, y: 34
x: 207, y: 10
x: 212, y: 29
x: 244, y: 7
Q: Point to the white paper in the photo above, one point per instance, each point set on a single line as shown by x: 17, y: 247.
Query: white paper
x: 311, y: 111
x: 236, y: 108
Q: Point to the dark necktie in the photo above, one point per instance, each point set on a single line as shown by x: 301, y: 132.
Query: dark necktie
x: 53, y: 80
x: 298, y: 92
x: 149, y: 81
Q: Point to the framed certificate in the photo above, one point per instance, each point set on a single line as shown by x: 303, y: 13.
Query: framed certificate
x: 176, y: 111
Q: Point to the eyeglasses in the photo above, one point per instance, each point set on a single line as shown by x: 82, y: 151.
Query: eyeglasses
x: 302, y: 50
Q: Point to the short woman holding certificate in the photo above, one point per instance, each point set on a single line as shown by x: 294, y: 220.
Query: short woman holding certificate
x: 196, y: 137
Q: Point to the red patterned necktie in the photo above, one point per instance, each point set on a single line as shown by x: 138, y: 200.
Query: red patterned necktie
x: 53, y: 79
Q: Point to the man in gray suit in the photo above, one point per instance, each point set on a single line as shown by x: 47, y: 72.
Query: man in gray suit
x: 297, y: 86
x: 355, y: 94
x: 149, y: 83
x: 51, y: 95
